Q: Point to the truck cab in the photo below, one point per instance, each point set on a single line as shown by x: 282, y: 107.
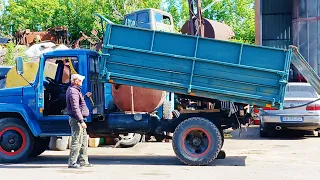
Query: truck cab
x: 32, y: 114
x: 51, y: 83
x: 150, y: 18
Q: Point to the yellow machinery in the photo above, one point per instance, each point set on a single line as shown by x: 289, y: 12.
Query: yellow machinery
x: 30, y: 72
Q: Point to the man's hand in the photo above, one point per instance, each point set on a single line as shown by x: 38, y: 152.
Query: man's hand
x: 83, y: 125
x: 88, y: 94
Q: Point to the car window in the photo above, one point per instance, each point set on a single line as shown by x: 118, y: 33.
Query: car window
x: 162, y: 19
x: 296, y: 91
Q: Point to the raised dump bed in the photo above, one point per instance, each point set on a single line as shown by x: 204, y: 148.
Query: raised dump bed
x: 197, y: 66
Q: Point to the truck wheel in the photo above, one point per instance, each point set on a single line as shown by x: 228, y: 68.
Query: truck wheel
x: 129, y: 140
x: 40, y: 145
x: 16, y: 140
x: 197, y: 141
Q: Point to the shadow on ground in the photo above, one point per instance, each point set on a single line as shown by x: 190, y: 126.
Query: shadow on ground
x: 45, y: 161
x: 252, y: 133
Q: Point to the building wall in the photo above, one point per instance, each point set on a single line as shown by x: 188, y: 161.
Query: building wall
x: 306, y: 30
x: 276, y: 23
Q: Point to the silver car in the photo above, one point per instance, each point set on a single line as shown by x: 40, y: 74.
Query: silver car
x: 300, y: 118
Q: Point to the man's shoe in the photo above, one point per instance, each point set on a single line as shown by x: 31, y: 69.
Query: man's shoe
x: 86, y: 165
x: 74, y: 166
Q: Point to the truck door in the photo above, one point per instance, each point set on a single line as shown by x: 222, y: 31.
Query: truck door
x: 54, y: 76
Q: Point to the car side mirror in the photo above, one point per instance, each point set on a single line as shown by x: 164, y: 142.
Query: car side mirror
x: 19, y: 65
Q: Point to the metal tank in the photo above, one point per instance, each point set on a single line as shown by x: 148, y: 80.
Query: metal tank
x: 212, y: 29
x: 137, y: 99
x: 306, y: 32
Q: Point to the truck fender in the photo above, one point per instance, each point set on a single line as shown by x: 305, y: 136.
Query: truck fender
x: 25, y: 112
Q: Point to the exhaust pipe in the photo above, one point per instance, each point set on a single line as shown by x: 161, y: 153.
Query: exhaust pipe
x: 278, y: 128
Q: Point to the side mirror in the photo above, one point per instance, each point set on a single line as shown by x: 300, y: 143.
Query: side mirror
x: 19, y: 65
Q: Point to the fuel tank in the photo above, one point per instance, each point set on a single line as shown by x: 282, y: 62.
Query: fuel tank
x: 130, y: 122
x: 144, y: 100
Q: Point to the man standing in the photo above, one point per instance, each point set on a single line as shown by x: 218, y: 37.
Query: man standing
x: 78, y: 111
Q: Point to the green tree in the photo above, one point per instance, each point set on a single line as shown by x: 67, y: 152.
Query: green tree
x: 77, y: 15
x: 28, y: 13
x: 179, y: 10
x: 9, y: 55
x: 238, y: 14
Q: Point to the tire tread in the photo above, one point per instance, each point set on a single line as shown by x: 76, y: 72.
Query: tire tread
x: 205, y: 121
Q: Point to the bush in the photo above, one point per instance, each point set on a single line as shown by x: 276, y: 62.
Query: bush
x: 11, y: 53
x: 9, y: 56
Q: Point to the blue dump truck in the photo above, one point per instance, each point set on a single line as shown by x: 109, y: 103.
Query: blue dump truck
x: 186, y: 65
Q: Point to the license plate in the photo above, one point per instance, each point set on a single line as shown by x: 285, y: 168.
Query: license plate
x: 291, y: 119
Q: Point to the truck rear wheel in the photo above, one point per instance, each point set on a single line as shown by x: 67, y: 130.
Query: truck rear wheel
x: 197, y: 141
x: 40, y: 145
x: 16, y: 140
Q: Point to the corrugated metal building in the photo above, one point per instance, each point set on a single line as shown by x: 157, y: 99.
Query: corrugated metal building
x: 276, y: 18
x: 280, y: 23
x: 306, y: 30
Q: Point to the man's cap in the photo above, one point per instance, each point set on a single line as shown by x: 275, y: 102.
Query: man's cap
x: 77, y: 76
